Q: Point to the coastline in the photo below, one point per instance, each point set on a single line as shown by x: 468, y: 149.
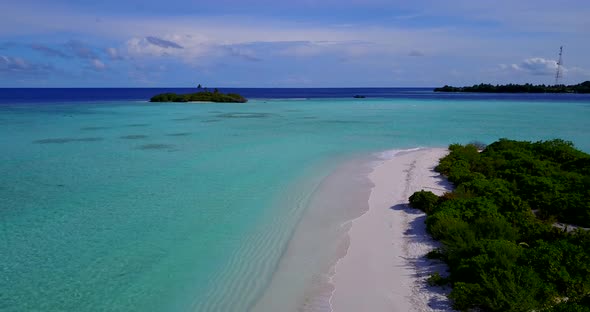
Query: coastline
x: 384, y: 268
x: 301, y: 280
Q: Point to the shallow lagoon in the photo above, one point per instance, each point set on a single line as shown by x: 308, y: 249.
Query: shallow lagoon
x: 126, y: 205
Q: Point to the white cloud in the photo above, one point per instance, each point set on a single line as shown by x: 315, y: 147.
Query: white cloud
x: 225, y: 30
x: 537, y: 66
x: 17, y: 65
x: 114, y: 54
x: 187, y: 47
x: 215, y: 36
x: 97, y: 65
x: 470, y: 35
x: 166, y: 44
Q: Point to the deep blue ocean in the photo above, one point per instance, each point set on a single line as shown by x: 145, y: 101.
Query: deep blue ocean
x: 44, y: 95
x: 111, y: 203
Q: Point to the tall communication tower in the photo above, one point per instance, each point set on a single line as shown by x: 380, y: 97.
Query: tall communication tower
x: 559, y: 63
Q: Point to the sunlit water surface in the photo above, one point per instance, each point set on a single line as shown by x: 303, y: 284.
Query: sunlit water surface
x: 132, y: 206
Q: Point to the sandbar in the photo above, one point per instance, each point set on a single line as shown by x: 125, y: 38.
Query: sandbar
x: 384, y: 268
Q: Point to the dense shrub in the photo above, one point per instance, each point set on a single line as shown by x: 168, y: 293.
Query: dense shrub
x: 501, y: 255
x: 202, y: 96
x: 437, y: 280
x: 423, y: 200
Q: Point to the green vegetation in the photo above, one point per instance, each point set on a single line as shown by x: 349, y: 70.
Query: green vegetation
x: 201, y: 96
x: 502, y: 256
x: 583, y: 87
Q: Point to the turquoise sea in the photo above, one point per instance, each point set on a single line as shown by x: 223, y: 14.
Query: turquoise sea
x: 122, y: 205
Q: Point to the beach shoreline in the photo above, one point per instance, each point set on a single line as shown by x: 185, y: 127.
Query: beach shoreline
x: 301, y: 280
x: 384, y: 268
x: 358, y: 246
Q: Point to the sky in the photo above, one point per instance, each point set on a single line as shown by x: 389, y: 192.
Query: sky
x: 304, y: 43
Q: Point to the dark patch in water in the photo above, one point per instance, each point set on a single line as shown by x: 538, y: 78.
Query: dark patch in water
x: 342, y: 121
x: 89, y: 139
x: 93, y: 128
x: 185, y: 118
x: 178, y: 134
x: 293, y: 110
x: 66, y: 140
x: 134, y: 136
x: 211, y: 120
x: 245, y: 115
x: 138, y: 125
x: 155, y: 146
x: 215, y: 112
x: 309, y: 117
x: 57, y: 141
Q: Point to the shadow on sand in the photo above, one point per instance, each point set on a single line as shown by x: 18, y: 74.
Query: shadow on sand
x: 422, y: 267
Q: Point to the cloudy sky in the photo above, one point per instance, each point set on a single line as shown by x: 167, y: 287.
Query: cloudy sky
x: 286, y: 43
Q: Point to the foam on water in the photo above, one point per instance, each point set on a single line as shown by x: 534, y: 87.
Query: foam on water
x: 389, y: 154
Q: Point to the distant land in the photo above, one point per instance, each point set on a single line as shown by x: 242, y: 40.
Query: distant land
x: 583, y: 87
x: 201, y: 96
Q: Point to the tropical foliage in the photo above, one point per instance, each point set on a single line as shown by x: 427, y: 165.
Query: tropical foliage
x: 583, y: 87
x: 497, y: 226
x: 202, y: 96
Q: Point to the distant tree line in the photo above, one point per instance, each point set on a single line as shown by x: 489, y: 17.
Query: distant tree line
x: 583, y: 87
x: 201, y: 96
x: 496, y: 226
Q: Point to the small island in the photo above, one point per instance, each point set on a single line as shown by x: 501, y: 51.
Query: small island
x: 583, y: 87
x: 201, y: 96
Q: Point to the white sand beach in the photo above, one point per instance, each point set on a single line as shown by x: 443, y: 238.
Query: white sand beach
x: 384, y: 268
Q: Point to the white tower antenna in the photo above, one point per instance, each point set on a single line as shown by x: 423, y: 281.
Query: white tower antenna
x: 558, y: 73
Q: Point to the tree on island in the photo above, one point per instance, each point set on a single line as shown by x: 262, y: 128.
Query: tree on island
x: 201, y: 96
x: 583, y: 87
x: 199, y: 86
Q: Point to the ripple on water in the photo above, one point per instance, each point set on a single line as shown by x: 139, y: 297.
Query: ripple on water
x: 185, y: 118
x: 137, y: 125
x: 178, y: 134
x: 93, y: 128
x: 211, y: 120
x: 246, y: 115
x: 66, y: 140
x: 156, y: 146
x: 336, y: 121
x: 133, y: 136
